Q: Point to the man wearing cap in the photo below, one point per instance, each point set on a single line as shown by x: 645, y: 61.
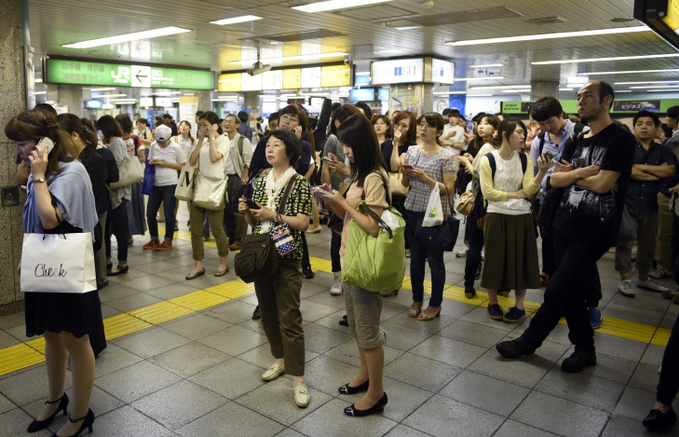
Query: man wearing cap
x: 168, y: 158
x: 236, y: 168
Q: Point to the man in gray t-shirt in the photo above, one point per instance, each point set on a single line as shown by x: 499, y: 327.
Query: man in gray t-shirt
x: 334, y: 146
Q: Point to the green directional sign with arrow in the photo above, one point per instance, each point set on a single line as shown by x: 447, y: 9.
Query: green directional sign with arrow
x: 144, y: 76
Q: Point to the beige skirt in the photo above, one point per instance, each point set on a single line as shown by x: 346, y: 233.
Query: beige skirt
x: 511, y: 252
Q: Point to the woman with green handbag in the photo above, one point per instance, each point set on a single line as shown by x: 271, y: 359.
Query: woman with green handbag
x: 368, y: 173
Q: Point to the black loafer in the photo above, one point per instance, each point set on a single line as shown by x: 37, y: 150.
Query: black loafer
x: 190, y: 276
x: 656, y: 420
x: 118, y: 271
x: 377, y: 408
x: 308, y: 273
x: 495, y: 312
x: 348, y: 390
x: 577, y: 362
x: 255, y: 314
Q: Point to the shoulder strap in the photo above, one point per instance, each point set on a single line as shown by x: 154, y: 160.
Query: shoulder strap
x: 579, y: 127
x: 291, y: 182
x: 386, y: 190
x: 524, y: 162
x: 240, y: 144
x: 491, y: 161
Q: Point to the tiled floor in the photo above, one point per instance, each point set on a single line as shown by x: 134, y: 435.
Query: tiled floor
x: 199, y: 375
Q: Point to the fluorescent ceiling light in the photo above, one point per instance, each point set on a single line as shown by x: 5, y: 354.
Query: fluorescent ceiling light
x: 599, y: 73
x: 676, y: 86
x: 234, y: 20
x: 104, y: 89
x: 127, y: 37
x: 507, y: 39
x: 467, y: 79
x: 485, y: 66
x: 516, y: 91
x: 293, y: 58
x: 123, y: 101
x: 38, y: 80
x: 479, y: 95
x: 662, y: 90
x: 407, y: 27
x: 623, y: 91
x: 363, y: 73
x: 639, y: 83
x: 565, y: 89
x: 620, y: 58
x: 331, y: 5
x: 40, y: 92
x: 500, y: 87
x: 110, y: 95
x: 447, y: 93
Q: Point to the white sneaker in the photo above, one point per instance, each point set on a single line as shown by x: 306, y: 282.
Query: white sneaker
x: 336, y: 288
x: 650, y: 284
x: 625, y: 288
x: 661, y: 274
x: 463, y: 252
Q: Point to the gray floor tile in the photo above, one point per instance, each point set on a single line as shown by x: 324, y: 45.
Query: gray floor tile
x: 653, y: 355
x: 474, y: 333
x: 403, y: 398
x: 116, y: 291
x: 526, y: 371
x: 312, y: 311
x: 12, y: 320
x: 635, y: 403
x: 136, y: 381
x: 231, y: 419
x: 14, y: 422
x: 619, y: 347
x: 320, y: 339
x: 288, y: 432
x: 446, y: 350
x: 330, y: 420
x: 113, y: 358
x: 234, y: 340
x: 620, y: 426
x: 327, y: 299
x: 441, y: 416
x: 231, y: 378
x: 633, y: 313
x: 275, y: 401
x: 484, y: 392
x: 348, y: 352
x: 610, y: 368
x: 133, y: 302
x: 155, y: 266
x: 189, y: 359
x: 582, y: 389
x: 327, y: 375
x: 405, y: 431
x: 179, y: 404
x: 645, y: 377
x: 6, y: 404
x: 26, y: 387
x: 196, y: 326
x: 512, y: 428
x: 171, y: 291
x: 150, y: 342
x: 233, y: 311
x: 127, y: 421
x: 7, y: 340
x: 480, y: 315
x: 400, y: 337
x: 560, y: 416
x: 421, y: 372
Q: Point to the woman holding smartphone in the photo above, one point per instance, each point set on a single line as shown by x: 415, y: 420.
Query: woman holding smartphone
x: 60, y: 200
x: 432, y: 165
x: 369, y: 181
x: 279, y: 294
x: 509, y: 223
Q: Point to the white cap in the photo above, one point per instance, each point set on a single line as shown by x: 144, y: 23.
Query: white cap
x: 163, y: 133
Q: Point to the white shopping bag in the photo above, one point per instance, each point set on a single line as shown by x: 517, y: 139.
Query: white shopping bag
x: 434, y: 212
x: 185, y: 186
x: 58, y: 263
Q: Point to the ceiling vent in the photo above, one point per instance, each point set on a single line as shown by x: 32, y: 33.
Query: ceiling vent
x: 547, y: 20
x: 296, y: 36
x: 466, y: 17
x: 377, y: 13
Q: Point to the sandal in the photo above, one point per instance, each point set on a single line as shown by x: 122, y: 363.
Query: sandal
x: 544, y: 279
x: 413, y: 313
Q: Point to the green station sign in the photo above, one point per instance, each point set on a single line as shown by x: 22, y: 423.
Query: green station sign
x: 138, y: 76
x: 622, y: 106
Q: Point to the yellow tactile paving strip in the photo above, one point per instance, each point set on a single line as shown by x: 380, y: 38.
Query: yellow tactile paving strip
x: 23, y: 355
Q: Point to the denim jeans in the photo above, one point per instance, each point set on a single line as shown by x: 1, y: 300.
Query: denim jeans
x: 419, y: 252
x: 567, y: 293
x: 475, y: 236
x: 165, y: 195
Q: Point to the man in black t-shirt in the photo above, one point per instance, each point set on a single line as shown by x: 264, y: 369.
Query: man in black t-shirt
x: 594, y: 171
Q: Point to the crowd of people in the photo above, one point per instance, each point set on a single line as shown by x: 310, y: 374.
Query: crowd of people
x: 586, y: 187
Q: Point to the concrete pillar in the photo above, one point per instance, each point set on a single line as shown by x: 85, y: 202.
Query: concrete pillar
x: 544, y: 88
x: 71, y: 96
x: 427, y: 97
x: 204, y: 102
x: 13, y: 98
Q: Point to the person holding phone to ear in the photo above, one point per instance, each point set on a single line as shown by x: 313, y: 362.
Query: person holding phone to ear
x: 59, y: 200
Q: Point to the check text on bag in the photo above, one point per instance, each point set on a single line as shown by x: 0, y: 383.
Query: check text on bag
x: 41, y: 271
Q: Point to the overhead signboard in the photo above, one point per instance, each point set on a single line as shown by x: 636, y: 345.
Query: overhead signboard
x: 229, y: 82
x: 362, y: 95
x: 292, y: 79
x: 335, y: 76
x: 251, y: 83
x: 442, y: 71
x: 660, y: 15
x: 272, y: 80
x: 311, y: 77
x: 628, y: 106
x: 397, y: 71
x: 145, y: 76
x: 146, y: 102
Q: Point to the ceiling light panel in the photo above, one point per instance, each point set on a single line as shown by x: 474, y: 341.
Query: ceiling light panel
x: 554, y: 35
x: 332, y: 5
x: 147, y: 34
x: 601, y: 73
x: 235, y: 20
x: 620, y: 58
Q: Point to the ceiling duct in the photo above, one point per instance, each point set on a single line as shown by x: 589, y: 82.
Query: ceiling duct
x: 466, y: 17
x: 547, y: 20
x: 296, y: 36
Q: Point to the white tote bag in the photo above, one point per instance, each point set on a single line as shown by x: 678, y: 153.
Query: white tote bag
x: 209, y: 192
x: 185, y: 186
x: 130, y: 172
x: 434, y: 212
x: 58, y: 263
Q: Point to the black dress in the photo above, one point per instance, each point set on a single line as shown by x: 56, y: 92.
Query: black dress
x: 76, y: 313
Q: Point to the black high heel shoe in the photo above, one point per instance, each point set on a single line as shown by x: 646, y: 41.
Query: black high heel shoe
x: 87, y: 423
x: 377, y: 408
x: 347, y: 390
x: 37, y: 425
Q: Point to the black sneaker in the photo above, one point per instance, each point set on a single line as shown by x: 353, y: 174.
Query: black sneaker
x: 656, y: 420
x: 308, y: 273
x: 514, y: 348
x: 577, y: 362
x: 514, y: 315
x: 255, y: 314
x: 495, y: 312
x: 469, y: 292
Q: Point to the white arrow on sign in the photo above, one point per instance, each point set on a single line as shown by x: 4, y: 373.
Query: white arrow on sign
x: 141, y: 76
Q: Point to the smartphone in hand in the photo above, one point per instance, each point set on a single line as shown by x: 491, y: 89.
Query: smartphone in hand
x: 251, y: 204
x: 407, y: 167
x: 548, y: 156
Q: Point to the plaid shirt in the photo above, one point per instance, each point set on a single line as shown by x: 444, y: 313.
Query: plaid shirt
x: 435, y: 166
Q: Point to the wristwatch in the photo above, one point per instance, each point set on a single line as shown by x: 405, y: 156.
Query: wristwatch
x: 39, y: 180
